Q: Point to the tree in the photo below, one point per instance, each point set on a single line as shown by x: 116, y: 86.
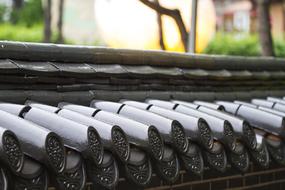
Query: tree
x: 264, y: 27
x: 16, y: 7
x: 47, y: 20
x: 17, y: 4
x: 160, y: 28
x: 173, y: 13
x: 60, y: 38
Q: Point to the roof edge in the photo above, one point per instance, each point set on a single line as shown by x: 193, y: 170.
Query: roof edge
x: 103, y: 55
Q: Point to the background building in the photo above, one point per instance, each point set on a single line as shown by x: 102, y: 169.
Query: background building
x: 240, y: 16
x: 79, y: 20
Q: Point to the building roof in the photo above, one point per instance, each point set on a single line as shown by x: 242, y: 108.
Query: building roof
x: 134, y: 83
x: 67, y: 70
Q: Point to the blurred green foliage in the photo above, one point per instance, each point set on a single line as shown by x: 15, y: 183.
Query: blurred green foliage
x: 30, y: 14
x: 2, y: 13
x: 21, y: 32
x: 279, y: 48
x: 25, y: 24
x: 244, y: 45
x: 227, y: 44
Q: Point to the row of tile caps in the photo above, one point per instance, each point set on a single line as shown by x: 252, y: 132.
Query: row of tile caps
x: 27, y: 66
x: 87, y: 54
x: 195, y: 139
x: 72, y: 144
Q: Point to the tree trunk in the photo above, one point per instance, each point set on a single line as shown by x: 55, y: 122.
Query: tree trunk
x: 60, y: 38
x: 173, y: 13
x: 160, y: 28
x: 17, y: 4
x: 47, y: 21
x: 16, y: 7
x: 265, y: 27
x: 283, y: 13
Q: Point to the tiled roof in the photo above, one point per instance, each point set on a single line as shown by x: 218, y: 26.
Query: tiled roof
x: 75, y: 116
